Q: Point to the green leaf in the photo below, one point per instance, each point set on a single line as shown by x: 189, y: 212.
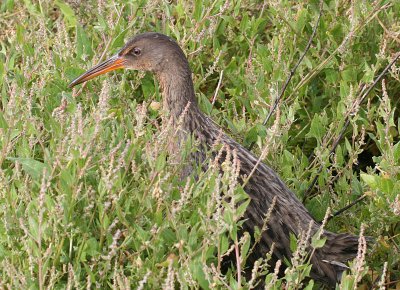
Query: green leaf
x: 318, y: 127
x: 3, y: 122
x: 396, y: 152
x: 31, y: 8
x: 20, y: 34
x: 198, y: 8
x: 119, y: 40
x: 68, y: 13
x: 33, y: 226
x: 368, y: 75
x: 198, y: 274
x: 83, y: 44
x: 31, y: 166
x: 369, y: 179
x: 233, y: 233
x: 331, y: 75
x: 310, y: 285
x: 253, y: 133
x: 161, y: 161
x: 293, y: 242
x: 317, y: 243
x: 301, y: 20
x: 246, y: 246
x: 385, y: 184
x: 242, y: 207
x: 349, y: 75
x: 168, y: 235
x: 92, y: 247
x: 2, y: 72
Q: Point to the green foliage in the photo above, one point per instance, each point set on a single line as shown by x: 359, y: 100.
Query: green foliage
x: 88, y: 196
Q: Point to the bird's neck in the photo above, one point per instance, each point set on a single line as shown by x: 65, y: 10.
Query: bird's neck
x: 187, y: 119
x: 179, y: 99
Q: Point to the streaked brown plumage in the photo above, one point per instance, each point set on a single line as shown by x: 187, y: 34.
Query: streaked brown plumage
x: 161, y: 55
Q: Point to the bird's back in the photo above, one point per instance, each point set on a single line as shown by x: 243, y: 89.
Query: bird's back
x: 288, y: 216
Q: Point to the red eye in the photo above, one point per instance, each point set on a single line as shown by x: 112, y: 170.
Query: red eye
x: 136, y: 51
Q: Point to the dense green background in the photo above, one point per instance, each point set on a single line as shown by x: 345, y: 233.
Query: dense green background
x: 87, y: 198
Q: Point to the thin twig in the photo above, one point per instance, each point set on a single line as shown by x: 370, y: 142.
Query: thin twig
x: 340, y: 211
x: 292, y: 71
x: 217, y: 89
x: 347, y: 123
x: 239, y: 270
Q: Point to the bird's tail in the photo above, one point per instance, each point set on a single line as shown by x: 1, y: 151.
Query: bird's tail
x: 329, y: 261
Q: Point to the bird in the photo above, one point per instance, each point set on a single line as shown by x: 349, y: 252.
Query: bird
x: 161, y: 55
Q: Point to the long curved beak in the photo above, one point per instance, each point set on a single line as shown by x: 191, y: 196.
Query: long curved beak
x: 110, y: 64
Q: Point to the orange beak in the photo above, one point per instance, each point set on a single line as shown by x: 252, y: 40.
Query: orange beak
x: 110, y: 64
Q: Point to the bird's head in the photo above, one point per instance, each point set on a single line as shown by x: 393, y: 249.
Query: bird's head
x: 150, y: 51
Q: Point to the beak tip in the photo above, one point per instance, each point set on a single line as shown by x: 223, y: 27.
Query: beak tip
x: 75, y: 82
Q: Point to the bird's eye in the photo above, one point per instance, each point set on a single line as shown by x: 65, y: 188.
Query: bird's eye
x: 136, y: 51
